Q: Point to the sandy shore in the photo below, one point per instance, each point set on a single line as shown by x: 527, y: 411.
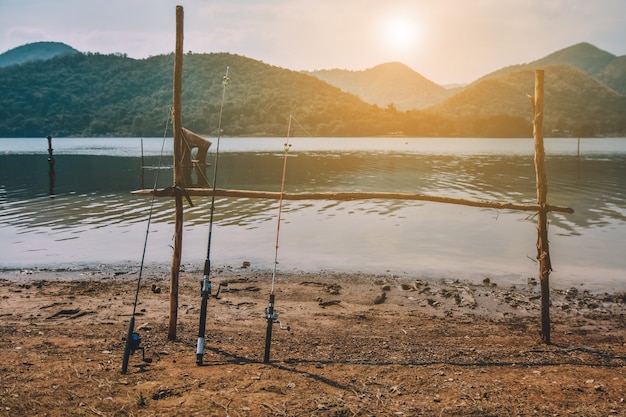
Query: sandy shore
x: 358, y: 345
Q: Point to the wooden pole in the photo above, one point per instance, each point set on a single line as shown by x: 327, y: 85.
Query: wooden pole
x: 178, y: 174
x: 543, y: 250
x: 351, y: 196
x: 142, y: 166
x: 51, y: 167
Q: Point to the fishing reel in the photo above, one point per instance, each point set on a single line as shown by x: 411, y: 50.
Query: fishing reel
x: 273, y: 318
x: 205, y: 286
x: 135, y: 345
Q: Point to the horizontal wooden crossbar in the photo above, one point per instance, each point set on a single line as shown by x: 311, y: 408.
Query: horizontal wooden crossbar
x: 354, y: 195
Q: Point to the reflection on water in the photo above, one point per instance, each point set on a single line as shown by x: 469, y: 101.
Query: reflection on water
x: 94, y: 218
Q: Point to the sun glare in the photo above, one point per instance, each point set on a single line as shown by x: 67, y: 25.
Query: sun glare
x: 401, y: 32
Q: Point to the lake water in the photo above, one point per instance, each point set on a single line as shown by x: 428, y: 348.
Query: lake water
x: 94, y: 218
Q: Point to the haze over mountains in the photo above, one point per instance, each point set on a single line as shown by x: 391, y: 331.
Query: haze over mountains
x: 585, y: 95
x: 391, y: 83
x: 396, y: 83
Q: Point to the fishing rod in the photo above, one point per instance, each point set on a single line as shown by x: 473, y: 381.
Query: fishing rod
x: 133, y: 341
x: 270, y: 314
x: 206, y: 280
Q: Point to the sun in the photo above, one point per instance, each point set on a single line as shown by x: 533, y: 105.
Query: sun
x: 400, y: 32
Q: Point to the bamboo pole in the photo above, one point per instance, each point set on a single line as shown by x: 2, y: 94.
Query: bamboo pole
x: 543, y: 250
x: 356, y: 195
x: 178, y: 174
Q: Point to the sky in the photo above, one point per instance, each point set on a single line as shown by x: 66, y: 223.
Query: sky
x: 447, y: 41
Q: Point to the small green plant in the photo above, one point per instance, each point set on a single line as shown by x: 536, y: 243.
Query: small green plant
x: 141, y: 400
x: 340, y: 412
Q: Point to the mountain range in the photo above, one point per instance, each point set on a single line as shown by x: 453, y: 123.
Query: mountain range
x: 388, y: 84
x: 83, y: 94
x: 395, y: 83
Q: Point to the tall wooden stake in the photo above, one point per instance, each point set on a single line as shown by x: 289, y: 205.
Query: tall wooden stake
x: 178, y: 173
x: 543, y: 250
x: 51, y: 166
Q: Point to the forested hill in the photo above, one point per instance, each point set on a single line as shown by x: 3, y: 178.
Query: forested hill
x: 36, y: 51
x: 113, y: 95
x: 94, y: 95
x: 99, y: 95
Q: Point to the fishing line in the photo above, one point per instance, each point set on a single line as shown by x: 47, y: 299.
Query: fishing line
x: 299, y: 124
x: 280, y: 203
x: 206, y: 282
x: 132, y: 340
x: 271, y: 316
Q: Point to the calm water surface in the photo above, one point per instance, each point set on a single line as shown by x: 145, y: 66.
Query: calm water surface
x: 94, y: 218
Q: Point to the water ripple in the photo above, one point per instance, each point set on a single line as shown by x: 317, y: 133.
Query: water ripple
x: 98, y: 203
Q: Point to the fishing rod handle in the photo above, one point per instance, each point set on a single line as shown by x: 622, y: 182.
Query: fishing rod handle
x: 200, y: 351
x: 129, y: 336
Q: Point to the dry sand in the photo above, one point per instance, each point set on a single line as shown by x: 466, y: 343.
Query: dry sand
x: 358, y: 345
